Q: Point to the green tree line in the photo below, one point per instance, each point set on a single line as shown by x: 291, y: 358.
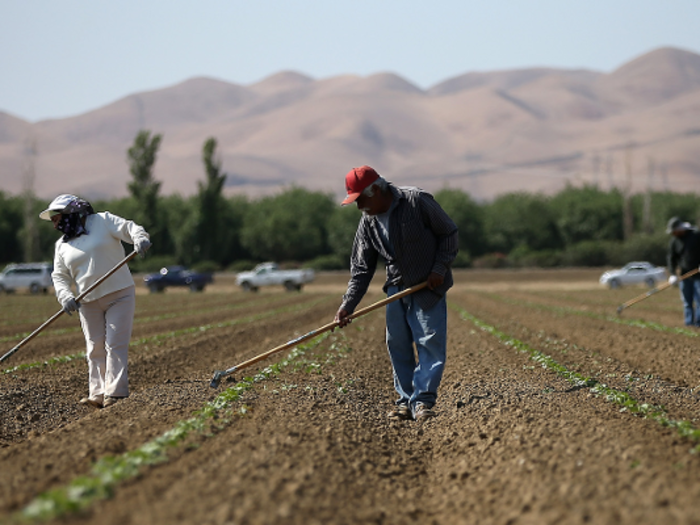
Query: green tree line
x: 578, y: 226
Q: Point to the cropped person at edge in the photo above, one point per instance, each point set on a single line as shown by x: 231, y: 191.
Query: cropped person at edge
x: 684, y: 253
x: 89, y: 248
x: 418, y: 241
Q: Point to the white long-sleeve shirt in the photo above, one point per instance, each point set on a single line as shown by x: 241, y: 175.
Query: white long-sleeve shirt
x: 83, y: 260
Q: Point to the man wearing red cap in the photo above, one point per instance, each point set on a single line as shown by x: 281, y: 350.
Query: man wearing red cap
x: 418, y: 241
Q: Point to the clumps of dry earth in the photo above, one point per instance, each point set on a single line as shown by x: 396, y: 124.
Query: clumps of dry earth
x: 553, y: 409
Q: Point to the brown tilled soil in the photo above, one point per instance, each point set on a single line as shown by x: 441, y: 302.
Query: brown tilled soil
x: 513, y: 442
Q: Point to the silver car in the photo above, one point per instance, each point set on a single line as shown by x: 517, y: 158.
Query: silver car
x: 35, y: 277
x: 634, y: 273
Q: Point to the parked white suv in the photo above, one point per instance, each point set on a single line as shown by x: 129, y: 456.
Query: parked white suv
x: 36, y: 277
x: 266, y: 274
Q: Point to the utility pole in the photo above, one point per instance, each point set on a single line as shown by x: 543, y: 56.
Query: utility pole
x: 609, y: 171
x: 646, y: 213
x: 31, y: 235
x: 595, y: 165
x: 664, y: 175
x: 628, y: 219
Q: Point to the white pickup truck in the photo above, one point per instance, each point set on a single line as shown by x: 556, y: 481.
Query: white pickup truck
x: 267, y: 274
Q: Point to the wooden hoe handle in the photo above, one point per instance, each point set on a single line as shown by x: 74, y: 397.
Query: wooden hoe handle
x: 655, y: 290
x: 60, y: 312
x: 220, y: 374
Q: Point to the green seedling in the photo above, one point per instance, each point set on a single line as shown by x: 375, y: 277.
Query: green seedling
x: 108, y: 472
x: 159, y: 339
x: 623, y: 399
x: 566, y: 311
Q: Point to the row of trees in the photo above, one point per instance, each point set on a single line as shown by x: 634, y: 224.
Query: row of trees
x: 578, y: 226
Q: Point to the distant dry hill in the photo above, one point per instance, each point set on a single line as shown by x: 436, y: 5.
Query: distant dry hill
x: 485, y: 132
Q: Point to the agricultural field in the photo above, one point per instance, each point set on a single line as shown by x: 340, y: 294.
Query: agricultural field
x: 553, y: 409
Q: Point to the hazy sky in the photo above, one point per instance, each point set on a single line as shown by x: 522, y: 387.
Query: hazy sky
x: 64, y: 57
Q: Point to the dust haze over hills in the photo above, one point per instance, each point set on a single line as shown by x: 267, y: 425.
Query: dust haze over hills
x: 484, y: 132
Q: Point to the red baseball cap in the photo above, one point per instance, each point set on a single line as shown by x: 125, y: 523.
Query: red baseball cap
x: 357, y: 180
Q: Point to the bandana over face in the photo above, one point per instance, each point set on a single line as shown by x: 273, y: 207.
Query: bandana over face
x: 71, y: 222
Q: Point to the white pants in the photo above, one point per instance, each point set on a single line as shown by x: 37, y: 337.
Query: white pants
x: 107, y: 324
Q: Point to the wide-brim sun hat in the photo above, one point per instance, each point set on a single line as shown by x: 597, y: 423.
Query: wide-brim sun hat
x: 57, y: 206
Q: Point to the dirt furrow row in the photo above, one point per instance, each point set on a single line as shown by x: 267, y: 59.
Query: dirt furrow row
x: 655, y: 367
x: 510, y: 444
x: 168, y: 381
x: 664, y: 308
x: 67, y: 338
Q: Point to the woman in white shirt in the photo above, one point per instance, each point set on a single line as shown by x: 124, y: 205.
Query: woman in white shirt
x: 89, y: 248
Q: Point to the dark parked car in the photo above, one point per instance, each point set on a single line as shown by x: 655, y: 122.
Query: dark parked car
x: 177, y: 276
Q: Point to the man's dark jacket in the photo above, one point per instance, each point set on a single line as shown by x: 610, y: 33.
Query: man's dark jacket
x: 424, y: 239
x: 684, y: 253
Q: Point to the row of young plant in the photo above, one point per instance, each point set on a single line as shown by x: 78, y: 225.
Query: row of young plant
x: 140, y: 317
x: 568, y: 311
x: 19, y: 309
x: 159, y: 339
x: 109, y: 471
x: 621, y: 398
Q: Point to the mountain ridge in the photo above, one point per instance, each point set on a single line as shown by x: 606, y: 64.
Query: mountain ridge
x: 530, y: 129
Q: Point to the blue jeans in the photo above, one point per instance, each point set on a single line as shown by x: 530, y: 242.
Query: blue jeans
x: 690, y: 293
x: 406, y: 324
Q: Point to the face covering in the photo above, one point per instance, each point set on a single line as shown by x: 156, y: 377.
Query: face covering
x: 71, y: 222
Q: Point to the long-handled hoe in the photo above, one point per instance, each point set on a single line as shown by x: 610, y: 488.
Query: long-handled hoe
x: 655, y: 290
x: 59, y: 313
x: 220, y: 374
